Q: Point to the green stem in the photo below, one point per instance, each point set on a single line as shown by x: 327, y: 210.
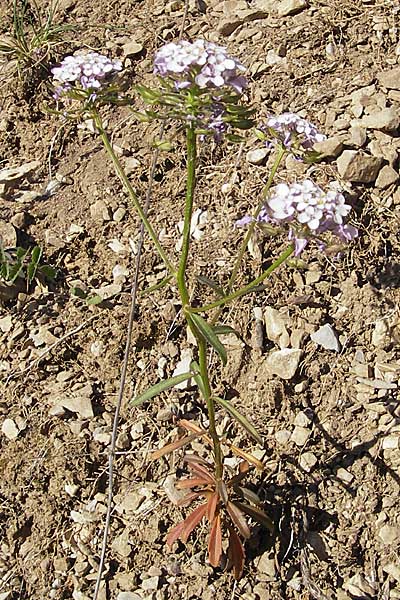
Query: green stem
x: 191, y: 139
x: 247, y: 288
x: 131, y: 192
x: 243, y: 247
x: 202, y: 347
x: 190, y: 186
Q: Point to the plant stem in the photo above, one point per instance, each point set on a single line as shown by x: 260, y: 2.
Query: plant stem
x: 191, y: 148
x: 243, y: 247
x: 131, y: 192
x: 202, y: 347
x: 191, y: 139
x: 247, y: 288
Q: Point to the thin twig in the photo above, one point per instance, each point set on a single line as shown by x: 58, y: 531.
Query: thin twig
x: 134, y: 288
x: 111, y: 456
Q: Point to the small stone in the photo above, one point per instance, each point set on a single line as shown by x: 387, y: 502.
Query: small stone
x: 390, y: 79
x: 257, y: 157
x: 387, y: 176
x: 344, y: 475
x: 129, y: 596
x: 393, y: 570
x: 6, y: 324
x: 284, y: 362
x: 307, y: 461
x: 174, y: 495
x: 108, y: 291
x: 359, y: 587
x: 326, y: 337
x: 387, y: 119
x: 227, y: 26
x: 267, y: 566
x: 300, y: 436
x: 121, y: 545
x: 131, y: 164
x: 275, y: 327
x: 119, y: 214
x: 358, y: 167
x: 329, y: 148
x: 390, y: 443
x: 303, y: 419
x: 132, y: 48
x: 183, y: 366
x: 389, y: 535
x: 358, y: 136
x: 8, y: 235
x: 290, y: 7
x: 10, y: 429
x: 100, y: 212
x: 9, y: 175
x: 283, y: 436
x: 19, y: 220
x: 71, y: 489
x: 380, y: 334
x: 151, y: 583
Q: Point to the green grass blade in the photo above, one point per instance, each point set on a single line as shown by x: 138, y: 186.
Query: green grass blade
x: 197, y: 377
x: 208, y: 333
x: 162, y: 386
x: 241, y: 419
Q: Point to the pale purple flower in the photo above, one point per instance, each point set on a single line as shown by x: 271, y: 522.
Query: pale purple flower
x: 309, y: 211
x: 86, y: 71
x: 294, y: 132
x: 199, y: 63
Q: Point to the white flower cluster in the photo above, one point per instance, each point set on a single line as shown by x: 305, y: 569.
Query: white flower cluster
x: 307, y: 204
x: 88, y: 70
x: 293, y: 130
x: 202, y: 63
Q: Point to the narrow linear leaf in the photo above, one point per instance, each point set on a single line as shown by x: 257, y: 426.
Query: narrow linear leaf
x: 215, y: 542
x: 256, y: 513
x: 224, y: 330
x: 241, y: 419
x: 162, y: 386
x: 212, y: 506
x: 208, y: 333
x: 94, y: 300
x: 192, y: 521
x: 236, y: 553
x: 201, y: 471
x: 248, y: 495
x: 247, y: 456
x: 188, y: 499
x: 190, y: 482
x: 238, y: 519
x: 173, y: 446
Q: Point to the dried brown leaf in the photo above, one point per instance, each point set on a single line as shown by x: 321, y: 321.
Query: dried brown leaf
x: 212, y: 506
x: 215, y: 542
x: 236, y: 553
x: 184, y: 484
x: 238, y: 519
x: 173, y: 446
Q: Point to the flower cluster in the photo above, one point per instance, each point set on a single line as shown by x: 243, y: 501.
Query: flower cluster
x: 88, y: 72
x: 310, y: 212
x: 294, y: 132
x: 199, y: 63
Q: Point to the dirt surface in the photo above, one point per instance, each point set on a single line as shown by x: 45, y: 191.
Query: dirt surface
x: 332, y: 431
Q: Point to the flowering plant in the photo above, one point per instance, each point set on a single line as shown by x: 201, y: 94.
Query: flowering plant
x: 201, y: 88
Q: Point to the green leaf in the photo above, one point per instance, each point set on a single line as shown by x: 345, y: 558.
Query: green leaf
x: 78, y: 292
x: 163, y: 145
x: 197, y: 376
x: 94, y: 300
x: 255, y: 513
x: 225, y: 330
x: 210, y: 283
x: 162, y: 386
x: 208, y: 333
x: 36, y: 255
x: 241, y: 419
x: 48, y: 272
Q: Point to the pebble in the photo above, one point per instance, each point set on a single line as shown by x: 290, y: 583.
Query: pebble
x: 257, y: 157
x: 290, y: 7
x: 275, y: 327
x: 344, y: 475
x: 387, y: 176
x: 183, y: 366
x: 9, y: 175
x: 300, y: 435
x: 6, y: 324
x: 387, y: 119
x: 326, y: 337
x: 358, y: 136
x: 358, y: 167
x: 129, y: 596
x: 100, y: 212
x: 119, y: 214
x: 390, y: 79
x: 284, y: 363
x: 132, y: 48
x: 307, y: 461
x: 393, y: 570
x: 389, y: 534
x: 108, y: 291
x: 267, y: 566
x: 151, y: 583
x: 283, y: 436
x: 329, y: 148
x: 10, y: 429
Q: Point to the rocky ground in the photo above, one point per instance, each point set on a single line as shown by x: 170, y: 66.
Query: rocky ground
x: 330, y: 418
